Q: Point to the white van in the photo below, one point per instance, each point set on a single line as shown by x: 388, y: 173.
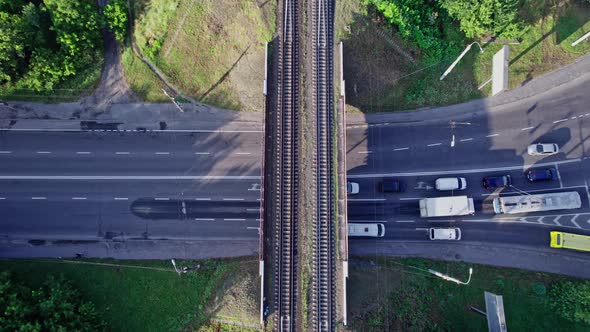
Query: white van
x: 366, y: 229
x: 444, y: 184
x: 444, y: 233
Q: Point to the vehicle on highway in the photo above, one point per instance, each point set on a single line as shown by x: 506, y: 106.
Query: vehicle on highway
x: 390, y: 185
x: 569, y: 241
x: 366, y: 229
x: 491, y: 182
x: 444, y: 233
x: 546, y: 174
x: 454, y: 183
x: 543, y: 149
x: 352, y: 188
x: 535, y: 203
x: 446, y: 206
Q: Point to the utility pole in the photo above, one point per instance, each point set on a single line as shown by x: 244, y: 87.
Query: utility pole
x: 459, y: 58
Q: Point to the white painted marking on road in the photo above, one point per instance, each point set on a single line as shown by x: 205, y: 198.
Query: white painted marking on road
x: 254, y: 228
x: 2, y: 198
x: 151, y: 130
x: 559, y: 176
x: 234, y: 219
x: 204, y: 219
x: 574, y: 220
x: 83, y: 152
x: 163, y: 153
x: 556, y: 220
x: 43, y: 152
x: 493, y: 135
x: 466, y: 140
x: 558, y: 121
x: 587, y: 191
x: 404, y: 221
x: 243, y: 153
x: 78, y: 198
x: 121, y: 198
x: 122, y: 152
x: 129, y: 177
x: 527, y: 128
x: 574, y: 117
x: 38, y: 197
x: 401, y: 149
x: 461, y: 171
x: 162, y: 199
x: 366, y: 199
x: 434, y: 144
x: 202, y: 199
x: 5, y: 152
x: 252, y: 209
x: 233, y: 199
x: 449, y: 220
x: 364, y: 152
x: 201, y: 153
x: 409, y: 198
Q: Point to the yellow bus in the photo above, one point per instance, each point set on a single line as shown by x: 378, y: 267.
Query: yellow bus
x: 570, y: 241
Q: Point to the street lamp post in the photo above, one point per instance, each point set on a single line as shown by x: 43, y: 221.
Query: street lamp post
x: 459, y: 58
x: 449, y: 278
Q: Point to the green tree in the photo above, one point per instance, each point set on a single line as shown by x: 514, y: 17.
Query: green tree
x: 115, y: 13
x: 12, y: 46
x: 571, y: 300
x: 56, y: 306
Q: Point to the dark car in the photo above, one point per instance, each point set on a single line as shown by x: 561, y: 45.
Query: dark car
x: 491, y: 182
x: 547, y: 174
x: 390, y: 185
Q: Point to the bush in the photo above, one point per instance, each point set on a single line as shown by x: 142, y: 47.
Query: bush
x: 115, y: 13
x: 571, y: 300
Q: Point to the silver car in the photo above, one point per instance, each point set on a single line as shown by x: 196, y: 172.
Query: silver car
x: 540, y: 149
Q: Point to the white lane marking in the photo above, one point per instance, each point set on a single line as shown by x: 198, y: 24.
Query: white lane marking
x: 151, y: 130
x: 162, y: 199
x: 254, y: 228
x: 204, y: 219
x: 122, y: 152
x: 559, y: 176
x: 556, y: 220
x: 401, y: 149
x: 78, y: 198
x: 574, y: 117
x: 364, y: 152
x: 527, y: 128
x: 232, y: 199
x: 129, y: 177
x: 43, y: 152
x: 366, y: 199
x: 202, y: 199
x: 445, y: 220
x: 242, y: 153
x: 404, y: 221
x: 252, y: 209
x: 587, y: 191
x: 558, y: 121
x: 121, y: 198
x: 200, y: 153
x: 434, y: 144
x: 460, y: 171
x: 493, y: 135
x: 83, y: 152
x: 166, y: 153
x: 38, y: 197
x: 409, y: 198
x: 466, y: 140
x: 574, y: 220
x: 234, y: 219
x: 2, y: 198
x: 5, y: 152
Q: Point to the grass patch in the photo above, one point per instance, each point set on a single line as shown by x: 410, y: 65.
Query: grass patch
x: 144, y: 83
x: 399, y: 294
x: 211, y: 50
x: 132, y: 299
x: 379, y: 78
x: 80, y: 85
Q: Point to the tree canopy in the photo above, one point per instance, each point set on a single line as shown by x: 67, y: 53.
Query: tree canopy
x: 571, y: 300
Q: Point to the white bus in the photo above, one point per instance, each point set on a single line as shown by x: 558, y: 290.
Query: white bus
x: 535, y: 203
x: 366, y: 229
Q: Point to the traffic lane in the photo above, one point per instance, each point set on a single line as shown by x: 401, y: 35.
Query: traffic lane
x: 108, y: 190
x: 131, y: 164
x: 139, y: 142
x: 91, y: 219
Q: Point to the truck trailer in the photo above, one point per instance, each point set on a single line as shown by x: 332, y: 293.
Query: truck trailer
x: 446, y: 206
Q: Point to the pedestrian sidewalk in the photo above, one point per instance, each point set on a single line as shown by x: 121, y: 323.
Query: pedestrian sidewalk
x: 572, y: 73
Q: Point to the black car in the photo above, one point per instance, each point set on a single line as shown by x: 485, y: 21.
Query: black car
x: 547, y: 174
x: 491, y: 182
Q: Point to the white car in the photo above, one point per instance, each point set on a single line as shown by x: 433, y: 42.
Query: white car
x: 540, y: 149
x: 444, y: 233
x: 352, y: 188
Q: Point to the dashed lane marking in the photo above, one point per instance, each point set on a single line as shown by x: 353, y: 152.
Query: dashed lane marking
x: 38, y: 197
x: 122, y: 152
x: 202, y: 199
x: 401, y: 149
x: 466, y: 140
x: 5, y: 152
x: 232, y: 199
x: 409, y: 198
x: 162, y: 199
x: 364, y: 152
x: 234, y: 219
x: 201, y: 153
x: 243, y: 153
x: 83, y: 152
x: 78, y: 198
x: 121, y: 198
x: 434, y: 144
x: 204, y: 219
x: 493, y: 135
x: 404, y: 221
x: 163, y: 153
x: 43, y: 152
x: 2, y: 198
x: 527, y: 128
x: 558, y: 121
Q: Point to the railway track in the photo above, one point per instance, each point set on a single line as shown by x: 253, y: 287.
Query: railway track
x: 287, y: 170
x: 323, y: 303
